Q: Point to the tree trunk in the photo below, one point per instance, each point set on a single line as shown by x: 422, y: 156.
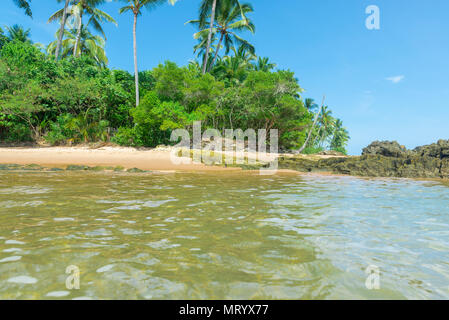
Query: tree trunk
x: 216, y: 53
x: 136, y: 70
x: 78, y: 35
x: 317, y: 136
x: 311, y: 129
x: 209, y: 37
x: 61, y: 30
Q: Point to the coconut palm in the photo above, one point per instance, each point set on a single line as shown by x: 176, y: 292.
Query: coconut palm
x: 310, y: 105
x: 78, y: 10
x: 3, y: 39
x: 229, y: 18
x: 136, y: 6
x: 24, y: 4
x: 200, y: 49
x: 340, y: 137
x: 264, y: 64
x: 235, y: 68
x: 89, y: 45
x: 326, y: 122
x: 62, y: 28
x: 206, y: 6
x: 18, y: 33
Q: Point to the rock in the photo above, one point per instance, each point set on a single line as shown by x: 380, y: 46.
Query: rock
x: 331, y: 153
x: 76, y: 168
x: 386, y: 149
x: 444, y: 169
x: 436, y: 150
x: 381, y: 159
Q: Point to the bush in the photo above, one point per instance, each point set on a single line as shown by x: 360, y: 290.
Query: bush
x: 81, y: 128
x: 127, y: 137
x: 312, y: 150
x: 13, y: 129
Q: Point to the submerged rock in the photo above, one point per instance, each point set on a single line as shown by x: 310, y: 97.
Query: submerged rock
x: 76, y: 168
x: 135, y: 170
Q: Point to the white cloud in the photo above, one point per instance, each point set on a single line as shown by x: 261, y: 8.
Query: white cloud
x: 396, y: 79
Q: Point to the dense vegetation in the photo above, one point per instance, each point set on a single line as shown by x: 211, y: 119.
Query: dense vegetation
x: 75, y: 98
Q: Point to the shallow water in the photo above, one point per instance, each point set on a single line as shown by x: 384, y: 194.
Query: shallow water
x: 217, y: 236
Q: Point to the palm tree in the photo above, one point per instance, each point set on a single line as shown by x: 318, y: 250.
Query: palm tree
x: 310, y: 105
x: 78, y: 10
x: 208, y: 9
x: 309, y: 135
x: 3, y: 38
x: 62, y: 28
x: 24, y: 4
x: 136, y: 6
x: 200, y: 48
x: 340, y: 137
x: 326, y: 122
x: 235, y: 68
x: 18, y: 33
x: 264, y: 64
x: 206, y: 6
x: 230, y: 18
x: 89, y: 45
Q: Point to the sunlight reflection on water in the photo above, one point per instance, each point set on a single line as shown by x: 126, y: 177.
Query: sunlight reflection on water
x: 216, y: 236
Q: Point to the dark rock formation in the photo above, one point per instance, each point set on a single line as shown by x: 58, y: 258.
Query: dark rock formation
x: 437, y: 150
x: 382, y: 159
x: 386, y: 149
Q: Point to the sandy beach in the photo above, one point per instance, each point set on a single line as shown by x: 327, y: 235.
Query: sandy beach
x: 155, y: 159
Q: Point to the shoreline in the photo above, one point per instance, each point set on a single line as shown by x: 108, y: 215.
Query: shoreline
x: 128, y: 158
x: 108, y: 158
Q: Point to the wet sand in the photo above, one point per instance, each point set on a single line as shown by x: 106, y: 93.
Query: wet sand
x: 157, y: 160
x: 145, y: 159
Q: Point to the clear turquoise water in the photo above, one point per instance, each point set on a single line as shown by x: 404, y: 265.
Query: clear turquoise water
x: 221, y: 236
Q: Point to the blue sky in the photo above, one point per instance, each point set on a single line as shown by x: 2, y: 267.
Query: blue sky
x: 387, y: 84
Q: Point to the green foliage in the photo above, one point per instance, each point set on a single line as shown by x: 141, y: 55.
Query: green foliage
x: 18, y: 33
x: 3, y: 39
x: 89, y: 45
x: 13, y: 129
x: 25, y: 5
x: 82, y: 128
x: 312, y: 150
x: 41, y: 94
x: 76, y: 100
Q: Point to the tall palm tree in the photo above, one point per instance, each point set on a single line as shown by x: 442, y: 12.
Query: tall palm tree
x: 205, y: 7
x: 208, y: 8
x: 230, y: 19
x: 326, y: 122
x: 18, y: 33
x: 136, y: 6
x: 200, y: 48
x: 24, y: 4
x: 78, y: 10
x: 315, y: 121
x: 62, y: 28
x: 89, y: 44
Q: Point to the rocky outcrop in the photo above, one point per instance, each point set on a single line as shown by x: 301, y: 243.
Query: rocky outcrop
x: 386, y: 149
x: 381, y: 159
x: 437, y: 150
